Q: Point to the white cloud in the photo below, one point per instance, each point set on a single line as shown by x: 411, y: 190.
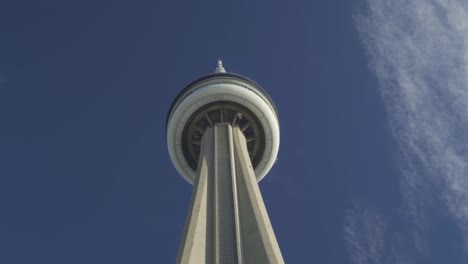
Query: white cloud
x: 364, y: 234
x: 418, y: 50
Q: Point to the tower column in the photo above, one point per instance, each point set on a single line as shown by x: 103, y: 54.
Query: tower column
x: 227, y: 221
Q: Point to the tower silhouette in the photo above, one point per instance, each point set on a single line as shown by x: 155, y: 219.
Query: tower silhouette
x: 223, y: 137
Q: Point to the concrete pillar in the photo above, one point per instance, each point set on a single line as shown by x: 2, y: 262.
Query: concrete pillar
x: 227, y: 220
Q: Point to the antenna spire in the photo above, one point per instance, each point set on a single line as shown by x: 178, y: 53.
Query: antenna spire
x: 220, y: 68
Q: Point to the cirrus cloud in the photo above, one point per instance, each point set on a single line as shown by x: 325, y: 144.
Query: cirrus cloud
x: 418, y: 51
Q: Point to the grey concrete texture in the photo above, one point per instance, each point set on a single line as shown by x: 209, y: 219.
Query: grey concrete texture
x: 227, y: 221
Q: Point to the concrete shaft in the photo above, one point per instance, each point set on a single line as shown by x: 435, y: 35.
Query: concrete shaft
x: 227, y: 220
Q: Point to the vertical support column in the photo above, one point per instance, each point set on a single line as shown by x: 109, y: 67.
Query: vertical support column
x: 196, y: 244
x: 227, y: 221
x: 259, y: 244
x: 225, y: 250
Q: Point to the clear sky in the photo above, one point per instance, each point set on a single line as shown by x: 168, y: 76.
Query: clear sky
x: 372, y: 97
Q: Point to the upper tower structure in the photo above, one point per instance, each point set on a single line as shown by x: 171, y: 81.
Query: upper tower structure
x: 222, y: 97
x: 223, y: 137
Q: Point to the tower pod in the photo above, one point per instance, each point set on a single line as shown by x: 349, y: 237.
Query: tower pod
x: 218, y: 98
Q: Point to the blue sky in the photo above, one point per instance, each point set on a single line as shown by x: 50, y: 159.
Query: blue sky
x: 372, y: 97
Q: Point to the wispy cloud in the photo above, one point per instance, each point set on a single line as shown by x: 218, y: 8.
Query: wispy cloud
x: 418, y: 50
x: 364, y: 234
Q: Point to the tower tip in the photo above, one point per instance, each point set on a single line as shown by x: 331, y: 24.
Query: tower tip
x: 219, y: 68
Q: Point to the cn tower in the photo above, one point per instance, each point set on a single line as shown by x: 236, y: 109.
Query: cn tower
x: 223, y: 137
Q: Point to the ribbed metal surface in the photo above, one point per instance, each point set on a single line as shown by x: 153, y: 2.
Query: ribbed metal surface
x: 225, y: 235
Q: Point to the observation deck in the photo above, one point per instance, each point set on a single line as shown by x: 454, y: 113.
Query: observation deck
x: 222, y: 98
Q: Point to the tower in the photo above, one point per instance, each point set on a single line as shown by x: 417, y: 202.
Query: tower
x: 223, y: 137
